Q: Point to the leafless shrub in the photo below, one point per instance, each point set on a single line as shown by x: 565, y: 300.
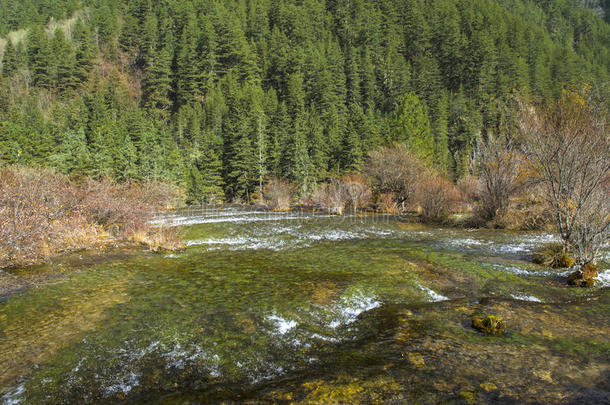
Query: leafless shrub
x: 42, y: 213
x: 279, y: 194
x: 436, y: 196
x: 502, y: 174
x: 386, y: 203
x: 123, y: 209
x: 357, y: 192
x: 394, y: 170
x: 568, y: 147
x: 350, y: 191
x: 37, y: 215
x: 469, y: 187
x: 331, y: 197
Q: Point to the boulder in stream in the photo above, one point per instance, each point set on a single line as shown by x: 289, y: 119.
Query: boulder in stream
x: 583, y: 277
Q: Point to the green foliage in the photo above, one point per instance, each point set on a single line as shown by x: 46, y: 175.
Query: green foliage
x: 9, y: 59
x: 411, y: 125
x: 217, y: 95
x: 73, y: 154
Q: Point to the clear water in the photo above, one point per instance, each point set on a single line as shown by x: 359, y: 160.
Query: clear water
x: 305, y: 307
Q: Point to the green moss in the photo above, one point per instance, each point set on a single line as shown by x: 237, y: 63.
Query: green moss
x: 490, y: 325
x: 212, y: 309
x: 553, y: 255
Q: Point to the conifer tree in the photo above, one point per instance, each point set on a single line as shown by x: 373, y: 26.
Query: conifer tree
x: 85, y: 50
x: 9, y: 59
x: 73, y: 155
x: 158, y: 83
x: 39, y: 56
x: 410, y: 124
x: 64, y: 75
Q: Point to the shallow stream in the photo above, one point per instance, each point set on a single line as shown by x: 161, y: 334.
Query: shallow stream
x: 306, y: 308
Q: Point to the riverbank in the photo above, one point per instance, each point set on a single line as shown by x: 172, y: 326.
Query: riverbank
x: 44, y: 214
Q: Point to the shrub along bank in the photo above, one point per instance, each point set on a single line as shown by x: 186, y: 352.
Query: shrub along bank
x: 43, y: 213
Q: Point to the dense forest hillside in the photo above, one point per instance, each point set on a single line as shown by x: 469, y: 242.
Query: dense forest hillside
x: 218, y: 96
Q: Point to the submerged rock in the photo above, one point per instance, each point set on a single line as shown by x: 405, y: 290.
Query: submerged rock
x: 584, y: 277
x: 491, y: 325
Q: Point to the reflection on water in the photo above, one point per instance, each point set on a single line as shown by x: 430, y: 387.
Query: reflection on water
x: 306, y: 307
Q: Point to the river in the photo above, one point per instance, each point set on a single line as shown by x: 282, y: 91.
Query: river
x: 306, y: 308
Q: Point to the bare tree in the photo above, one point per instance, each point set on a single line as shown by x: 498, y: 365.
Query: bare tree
x: 567, y: 145
x: 501, y: 172
x: 395, y: 170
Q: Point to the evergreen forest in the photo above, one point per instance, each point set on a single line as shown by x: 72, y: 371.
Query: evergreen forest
x: 219, y: 96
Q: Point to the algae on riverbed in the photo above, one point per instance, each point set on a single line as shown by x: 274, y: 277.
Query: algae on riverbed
x: 288, y: 308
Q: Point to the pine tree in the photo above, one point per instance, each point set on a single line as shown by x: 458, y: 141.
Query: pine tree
x: 39, y: 56
x: 211, y: 169
x: 158, y: 83
x: 410, y: 124
x: 9, y: 59
x: 65, y: 62
x: 85, y: 51
x: 188, y: 78
x: 73, y: 155
x: 439, y: 127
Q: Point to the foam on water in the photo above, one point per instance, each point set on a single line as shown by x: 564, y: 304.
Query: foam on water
x: 123, y: 384
x: 282, y: 325
x: 434, y: 296
x: 349, y: 308
x: 13, y: 396
x: 218, y: 241
x: 526, y: 243
x: 524, y: 297
x: 239, y: 243
x: 603, y: 278
x: 513, y: 269
x: 229, y: 217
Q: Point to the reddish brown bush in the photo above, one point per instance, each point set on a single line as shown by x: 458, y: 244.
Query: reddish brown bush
x: 386, y: 203
x: 42, y: 213
x: 278, y: 194
x: 469, y: 187
x: 37, y: 211
x: 331, y: 197
x: 394, y: 170
x: 436, y: 196
x: 351, y: 191
x: 502, y: 174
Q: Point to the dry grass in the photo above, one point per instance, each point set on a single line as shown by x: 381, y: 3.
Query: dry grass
x: 387, y: 204
x: 525, y: 212
x: 553, y: 255
x: 159, y: 239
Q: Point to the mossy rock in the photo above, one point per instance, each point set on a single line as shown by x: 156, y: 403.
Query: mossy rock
x: 584, y: 277
x: 553, y: 255
x: 490, y: 325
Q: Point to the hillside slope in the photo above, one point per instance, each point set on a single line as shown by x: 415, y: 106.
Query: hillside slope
x: 218, y: 95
